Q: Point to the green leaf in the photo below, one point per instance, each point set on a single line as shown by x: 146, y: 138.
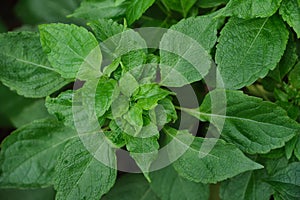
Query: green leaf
x: 72, y: 50
x: 248, y: 49
x: 182, y: 6
x: 294, y: 77
x: 251, y: 8
x: 95, y: 9
x: 29, y: 155
x: 144, y: 73
x: 290, y: 12
x: 134, y: 60
x: 46, y: 11
x: 203, y: 29
x: 249, y: 185
x: 128, y: 84
x: 287, y: 182
x: 105, y: 29
x: 148, y: 96
x: 292, y: 110
x: 253, y: 125
x: 136, y: 8
x: 184, y: 50
x: 274, y: 154
x: 35, y: 111
x: 196, y: 164
x: 164, y: 112
x: 115, y: 135
x: 121, y: 42
x: 286, y: 63
x: 168, y: 185
x: 297, y: 149
x: 131, y: 187
x: 144, y: 151
x: 120, y: 106
x: 211, y: 3
x: 12, y: 105
x: 132, y: 121
x: 80, y: 175
x: 106, y: 92
x: 25, y: 68
x: 61, y: 107
x: 272, y: 165
x: 109, y: 69
x: 290, y: 146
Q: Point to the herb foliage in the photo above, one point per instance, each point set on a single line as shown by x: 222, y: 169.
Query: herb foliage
x: 127, y: 102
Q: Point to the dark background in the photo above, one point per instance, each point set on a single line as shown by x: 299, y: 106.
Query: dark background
x: 7, y: 14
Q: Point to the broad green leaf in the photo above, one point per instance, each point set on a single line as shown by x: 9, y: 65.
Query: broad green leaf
x: 79, y: 175
x: 274, y: 154
x: 272, y: 165
x: 145, y: 73
x: 117, y: 41
x: 253, y: 125
x: 96, y: 9
x: 61, y: 107
x: 45, y: 11
x: 164, y: 112
x: 134, y: 61
x: 29, y: 155
x: 12, y: 105
x: 184, y: 50
x: 149, y: 128
x: 206, y: 167
x: 116, y: 138
x: 34, y: 111
x: 115, y: 135
x: 117, y: 74
x: 71, y: 50
x: 128, y: 84
x: 294, y: 77
x: 246, y: 186
x: 182, y: 6
x: 131, y: 187
x: 136, y: 8
x: 251, y: 8
x: 120, y: 106
x: 202, y: 29
x: 297, y: 149
x: 281, y: 95
x: 132, y: 122
x: 148, y: 95
x: 25, y: 68
x: 105, y: 29
x: 291, y: 109
x: 211, y: 3
x: 290, y: 12
x: 289, y: 58
x: 248, y: 49
x: 109, y: 69
x: 286, y: 63
x: 106, y: 92
x: 287, y: 182
x: 144, y: 151
x: 290, y: 146
x: 168, y: 185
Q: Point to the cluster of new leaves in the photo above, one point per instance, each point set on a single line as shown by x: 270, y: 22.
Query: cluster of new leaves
x: 120, y: 100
